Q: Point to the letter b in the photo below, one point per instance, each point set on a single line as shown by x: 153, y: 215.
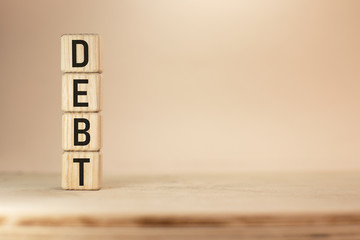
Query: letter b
x: 84, y: 131
x: 81, y: 132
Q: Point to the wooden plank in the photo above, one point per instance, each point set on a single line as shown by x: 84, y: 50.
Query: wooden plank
x: 349, y: 232
x: 281, y: 206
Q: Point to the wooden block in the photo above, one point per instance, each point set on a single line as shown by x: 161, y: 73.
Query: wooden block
x: 81, y: 170
x: 81, y: 131
x: 81, y: 92
x: 81, y: 53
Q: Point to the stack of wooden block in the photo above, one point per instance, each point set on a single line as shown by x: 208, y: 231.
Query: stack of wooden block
x: 81, y: 64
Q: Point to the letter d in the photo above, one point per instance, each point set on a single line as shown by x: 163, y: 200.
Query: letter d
x: 74, y: 53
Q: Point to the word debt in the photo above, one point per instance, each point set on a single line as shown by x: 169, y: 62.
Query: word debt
x: 81, y: 63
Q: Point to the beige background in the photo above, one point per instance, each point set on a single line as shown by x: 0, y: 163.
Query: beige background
x: 190, y: 85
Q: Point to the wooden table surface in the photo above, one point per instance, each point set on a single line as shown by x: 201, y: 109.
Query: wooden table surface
x: 198, y: 206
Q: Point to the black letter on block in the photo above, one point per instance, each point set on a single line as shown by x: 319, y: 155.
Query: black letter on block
x: 77, y: 93
x: 86, y: 53
x: 81, y: 162
x: 78, y: 131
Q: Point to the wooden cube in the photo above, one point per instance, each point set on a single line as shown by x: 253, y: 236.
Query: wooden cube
x: 81, y: 170
x: 81, y: 131
x: 81, y: 92
x: 81, y: 53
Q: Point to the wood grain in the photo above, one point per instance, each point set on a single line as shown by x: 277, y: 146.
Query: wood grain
x: 94, y: 132
x: 95, y: 53
x: 93, y: 95
x: 91, y: 171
